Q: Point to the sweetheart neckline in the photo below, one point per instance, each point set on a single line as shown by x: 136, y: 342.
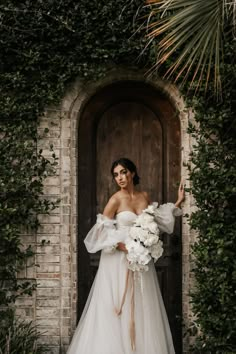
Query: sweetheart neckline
x: 127, y: 211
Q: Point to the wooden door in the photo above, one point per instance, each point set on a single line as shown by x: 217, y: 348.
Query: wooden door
x: 134, y: 121
x: 129, y: 129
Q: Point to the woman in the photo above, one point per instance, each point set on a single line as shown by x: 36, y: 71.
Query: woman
x: 120, y: 316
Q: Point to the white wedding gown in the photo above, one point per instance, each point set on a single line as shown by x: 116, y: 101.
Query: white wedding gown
x: 101, y: 330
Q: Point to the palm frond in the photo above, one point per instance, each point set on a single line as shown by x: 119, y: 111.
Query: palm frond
x: 192, y: 33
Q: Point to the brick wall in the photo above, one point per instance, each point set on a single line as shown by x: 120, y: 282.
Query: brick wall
x: 53, y: 305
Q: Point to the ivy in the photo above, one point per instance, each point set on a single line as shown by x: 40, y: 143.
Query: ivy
x: 44, y: 45
x: 22, y: 171
x: 213, y: 178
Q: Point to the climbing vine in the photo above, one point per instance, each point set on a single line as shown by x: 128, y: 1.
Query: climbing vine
x: 213, y: 178
x: 44, y: 45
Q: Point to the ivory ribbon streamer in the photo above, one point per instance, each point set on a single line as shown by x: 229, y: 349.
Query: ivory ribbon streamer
x: 132, y: 306
x: 132, y: 323
x: 118, y: 312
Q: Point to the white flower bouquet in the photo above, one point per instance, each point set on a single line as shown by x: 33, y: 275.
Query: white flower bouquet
x: 144, y: 243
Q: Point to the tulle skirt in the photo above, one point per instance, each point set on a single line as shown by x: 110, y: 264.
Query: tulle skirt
x: 102, y: 330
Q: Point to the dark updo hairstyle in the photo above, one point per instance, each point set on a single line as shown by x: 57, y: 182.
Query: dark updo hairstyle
x: 126, y: 163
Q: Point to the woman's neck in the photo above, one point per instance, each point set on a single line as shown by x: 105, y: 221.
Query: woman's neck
x: 129, y: 190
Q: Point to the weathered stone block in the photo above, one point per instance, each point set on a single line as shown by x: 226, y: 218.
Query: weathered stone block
x: 48, y: 268
x: 48, y: 229
x: 52, y: 302
x: 47, y: 312
x: 48, y: 283
x: 51, y: 190
x: 48, y: 322
x: 48, y: 293
x: 48, y: 249
x: 48, y: 275
x: 47, y: 258
x: 65, y: 282
x: 65, y: 248
x: 48, y: 240
x: 51, y: 331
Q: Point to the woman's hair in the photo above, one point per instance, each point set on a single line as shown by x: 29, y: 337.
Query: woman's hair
x: 126, y: 163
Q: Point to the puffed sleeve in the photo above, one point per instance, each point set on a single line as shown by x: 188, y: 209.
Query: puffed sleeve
x: 103, y: 235
x: 165, y: 216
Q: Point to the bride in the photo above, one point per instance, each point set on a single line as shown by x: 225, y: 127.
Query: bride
x: 121, y: 316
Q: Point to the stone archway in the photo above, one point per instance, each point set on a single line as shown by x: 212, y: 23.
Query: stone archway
x: 72, y: 107
x: 131, y: 119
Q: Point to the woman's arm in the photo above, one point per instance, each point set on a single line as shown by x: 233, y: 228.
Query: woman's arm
x: 146, y: 196
x: 110, y: 211
x: 181, y: 195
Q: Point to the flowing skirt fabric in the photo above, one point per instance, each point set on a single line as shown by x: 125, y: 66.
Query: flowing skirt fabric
x: 102, y: 331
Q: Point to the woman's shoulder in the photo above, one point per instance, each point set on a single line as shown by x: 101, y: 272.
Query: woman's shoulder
x: 144, y: 194
x: 114, y: 200
x: 115, y: 197
x: 111, y: 206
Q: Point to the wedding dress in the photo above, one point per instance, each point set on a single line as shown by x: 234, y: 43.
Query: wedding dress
x: 103, y: 329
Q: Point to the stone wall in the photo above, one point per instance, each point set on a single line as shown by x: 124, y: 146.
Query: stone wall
x: 53, y: 305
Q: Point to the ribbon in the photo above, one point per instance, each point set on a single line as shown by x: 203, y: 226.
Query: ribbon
x: 130, y: 275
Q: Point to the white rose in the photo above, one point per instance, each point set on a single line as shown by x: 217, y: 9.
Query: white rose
x: 143, y: 220
x: 144, y: 259
x: 150, y: 209
x: 157, y: 250
x: 152, y: 226
x: 133, y: 232
x: 141, y: 250
x: 131, y: 246
x: 143, y: 234
x: 134, y: 250
x: 153, y: 239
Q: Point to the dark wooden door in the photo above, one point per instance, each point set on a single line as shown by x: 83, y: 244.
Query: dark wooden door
x: 134, y: 121
x: 129, y: 129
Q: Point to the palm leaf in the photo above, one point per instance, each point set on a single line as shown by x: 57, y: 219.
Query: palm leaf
x: 191, y: 33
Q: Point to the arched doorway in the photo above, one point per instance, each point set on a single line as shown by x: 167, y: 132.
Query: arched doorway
x: 135, y: 120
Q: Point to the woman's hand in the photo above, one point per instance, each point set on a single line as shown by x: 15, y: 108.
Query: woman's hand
x: 121, y: 247
x: 181, y: 194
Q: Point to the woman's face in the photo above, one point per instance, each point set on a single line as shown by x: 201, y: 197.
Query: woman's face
x: 123, y: 176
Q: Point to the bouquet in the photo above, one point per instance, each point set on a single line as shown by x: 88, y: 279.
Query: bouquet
x: 144, y: 243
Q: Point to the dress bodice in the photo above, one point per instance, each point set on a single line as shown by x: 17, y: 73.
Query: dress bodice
x: 125, y: 219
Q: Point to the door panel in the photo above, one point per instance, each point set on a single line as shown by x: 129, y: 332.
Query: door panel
x: 129, y: 129
x: 131, y: 120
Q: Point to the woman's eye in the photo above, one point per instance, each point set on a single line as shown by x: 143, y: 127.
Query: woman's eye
x: 124, y: 172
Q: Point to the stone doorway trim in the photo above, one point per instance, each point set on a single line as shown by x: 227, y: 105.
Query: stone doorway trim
x: 72, y: 106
